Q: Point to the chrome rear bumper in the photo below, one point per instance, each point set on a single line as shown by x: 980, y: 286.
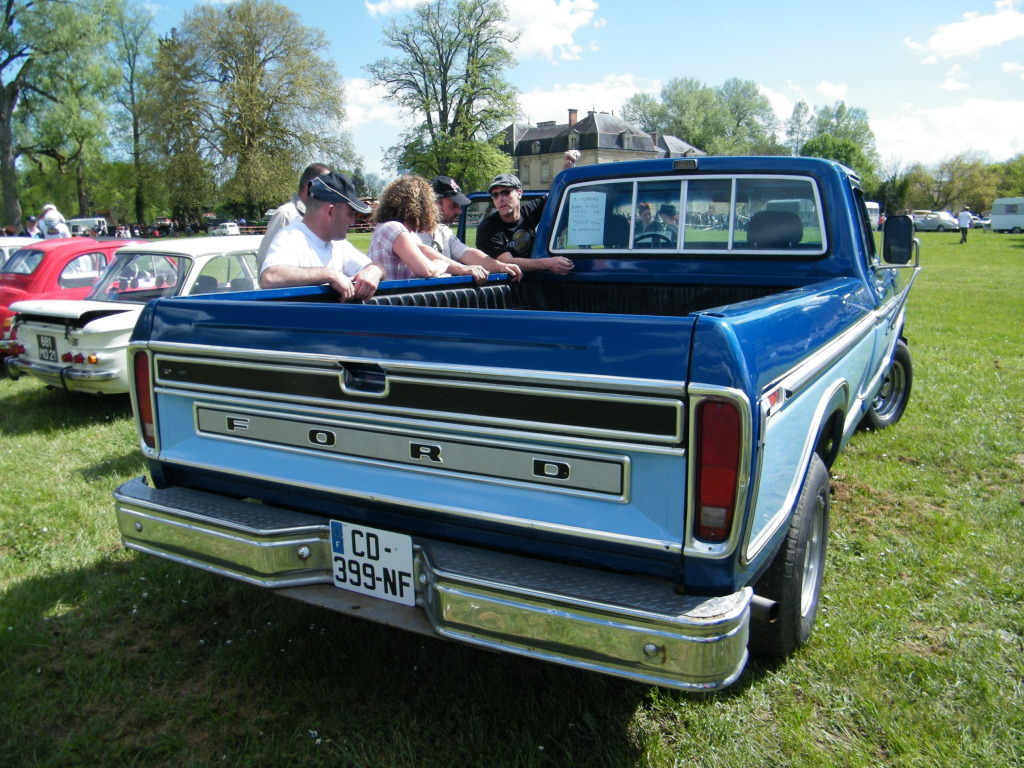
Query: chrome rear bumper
x: 57, y: 375
x: 633, y: 627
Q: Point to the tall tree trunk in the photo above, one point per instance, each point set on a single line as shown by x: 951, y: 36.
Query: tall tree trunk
x: 8, y: 156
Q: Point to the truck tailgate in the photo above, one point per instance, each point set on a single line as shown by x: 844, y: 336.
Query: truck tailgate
x: 532, y: 430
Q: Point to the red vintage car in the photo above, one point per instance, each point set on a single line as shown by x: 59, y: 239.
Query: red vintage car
x: 52, y: 269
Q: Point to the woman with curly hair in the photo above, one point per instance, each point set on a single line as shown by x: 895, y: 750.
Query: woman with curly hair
x: 406, y: 219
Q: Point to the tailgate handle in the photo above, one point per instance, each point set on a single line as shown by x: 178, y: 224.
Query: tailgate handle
x: 364, y: 380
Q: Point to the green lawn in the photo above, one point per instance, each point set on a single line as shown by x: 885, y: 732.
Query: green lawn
x: 109, y: 658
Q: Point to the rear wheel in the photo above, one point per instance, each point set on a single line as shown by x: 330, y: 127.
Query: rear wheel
x: 794, y: 578
x: 891, y: 401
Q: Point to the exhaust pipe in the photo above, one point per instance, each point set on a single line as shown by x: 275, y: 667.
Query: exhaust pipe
x: 763, y: 609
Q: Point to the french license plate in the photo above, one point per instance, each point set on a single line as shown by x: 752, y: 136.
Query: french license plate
x: 373, y: 562
x: 47, y: 348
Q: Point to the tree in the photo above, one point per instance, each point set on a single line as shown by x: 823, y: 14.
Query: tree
x: 174, y: 111
x: 646, y: 112
x: 843, y: 122
x: 893, y: 188
x: 133, y: 49
x: 748, y: 119
x: 448, y: 75
x: 963, y: 179
x: 799, y: 129
x: 734, y: 118
x: 49, y: 62
x: 268, y: 97
x: 1011, y: 178
x: 693, y: 112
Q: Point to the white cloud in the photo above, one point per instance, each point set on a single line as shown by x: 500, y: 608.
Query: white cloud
x: 388, y: 7
x: 974, y: 33
x: 952, y: 84
x: 606, y: 95
x: 367, y: 103
x: 782, y: 105
x: 1013, y: 68
x: 831, y: 92
x: 930, y: 135
x: 548, y: 27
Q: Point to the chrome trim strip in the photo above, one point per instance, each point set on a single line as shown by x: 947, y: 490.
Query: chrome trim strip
x: 492, y: 448
x: 233, y: 355
x: 401, y: 422
x: 513, y: 522
x: 373, y: 405
x: 796, y: 379
x: 56, y: 374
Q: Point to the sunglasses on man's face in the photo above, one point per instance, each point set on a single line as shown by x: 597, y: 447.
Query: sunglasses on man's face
x: 501, y: 193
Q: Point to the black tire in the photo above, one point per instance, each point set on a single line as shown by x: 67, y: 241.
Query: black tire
x: 891, y: 401
x: 794, y: 578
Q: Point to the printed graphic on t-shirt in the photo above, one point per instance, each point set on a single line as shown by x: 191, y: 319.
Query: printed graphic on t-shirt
x: 522, y: 242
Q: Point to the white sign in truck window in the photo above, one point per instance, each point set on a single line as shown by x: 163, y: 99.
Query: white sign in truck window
x: 586, y: 218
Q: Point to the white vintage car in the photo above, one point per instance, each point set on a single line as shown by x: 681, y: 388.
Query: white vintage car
x: 81, y: 346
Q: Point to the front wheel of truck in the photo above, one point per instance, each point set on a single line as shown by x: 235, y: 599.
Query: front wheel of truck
x: 794, y: 578
x: 891, y: 401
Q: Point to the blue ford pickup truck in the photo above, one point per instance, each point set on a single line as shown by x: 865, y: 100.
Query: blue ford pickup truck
x: 623, y: 469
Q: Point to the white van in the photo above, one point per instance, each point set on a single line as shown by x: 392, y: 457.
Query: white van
x: 1008, y: 215
x: 81, y: 227
x: 873, y: 211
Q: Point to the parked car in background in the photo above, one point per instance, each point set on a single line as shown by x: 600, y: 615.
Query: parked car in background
x: 226, y: 228
x: 936, y: 221
x: 82, y: 227
x: 11, y: 245
x: 81, y: 346
x: 51, y: 269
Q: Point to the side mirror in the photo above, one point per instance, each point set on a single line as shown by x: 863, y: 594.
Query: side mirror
x: 898, y: 240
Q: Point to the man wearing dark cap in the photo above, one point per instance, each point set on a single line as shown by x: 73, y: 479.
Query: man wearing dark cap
x: 314, y: 251
x: 507, y: 234
x: 31, y: 228
x: 290, y: 211
x: 449, y: 203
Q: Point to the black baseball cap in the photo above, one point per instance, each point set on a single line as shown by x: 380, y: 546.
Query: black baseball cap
x: 337, y: 188
x: 509, y: 180
x: 445, y: 186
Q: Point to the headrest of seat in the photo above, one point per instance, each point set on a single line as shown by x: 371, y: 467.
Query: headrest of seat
x: 774, y: 229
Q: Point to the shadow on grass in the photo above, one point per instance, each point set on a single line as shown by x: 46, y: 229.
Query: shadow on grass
x: 135, y: 660
x: 29, y: 409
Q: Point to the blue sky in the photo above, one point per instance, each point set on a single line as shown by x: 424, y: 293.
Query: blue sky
x: 936, y: 78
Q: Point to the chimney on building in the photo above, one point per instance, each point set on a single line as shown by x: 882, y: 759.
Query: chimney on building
x: 654, y: 138
x: 572, y: 117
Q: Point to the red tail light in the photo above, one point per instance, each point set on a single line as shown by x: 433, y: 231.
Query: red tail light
x: 718, y: 456
x: 144, y: 398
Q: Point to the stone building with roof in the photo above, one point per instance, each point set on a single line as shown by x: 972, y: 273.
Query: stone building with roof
x: 537, y: 150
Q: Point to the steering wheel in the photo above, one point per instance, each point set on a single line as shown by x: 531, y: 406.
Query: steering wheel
x: 130, y: 270
x: 657, y: 239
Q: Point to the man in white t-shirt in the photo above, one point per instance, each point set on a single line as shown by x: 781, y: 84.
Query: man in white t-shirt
x: 314, y: 251
x: 450, y: 201
x: 966, y: 221
x: 292, y: 210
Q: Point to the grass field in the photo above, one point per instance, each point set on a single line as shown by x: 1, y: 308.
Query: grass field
x: 109, y: 658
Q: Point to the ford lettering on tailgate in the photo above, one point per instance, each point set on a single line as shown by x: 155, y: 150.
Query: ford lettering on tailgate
x: 571, y: 472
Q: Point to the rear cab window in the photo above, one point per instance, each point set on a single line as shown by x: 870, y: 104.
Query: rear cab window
x: 749, y: 216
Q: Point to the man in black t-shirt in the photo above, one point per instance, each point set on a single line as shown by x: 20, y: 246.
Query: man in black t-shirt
x: 507, y: 234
